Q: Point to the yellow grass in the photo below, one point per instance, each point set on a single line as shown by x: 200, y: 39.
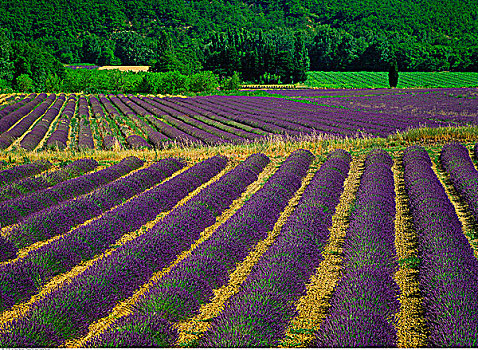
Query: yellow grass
x: 126, y: 68
x: 313, y: 307
x: 191, y: 330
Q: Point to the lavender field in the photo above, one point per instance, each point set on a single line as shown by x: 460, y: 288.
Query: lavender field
x: 299, y: 218
x: 333, y: 249
x: 104, y: 122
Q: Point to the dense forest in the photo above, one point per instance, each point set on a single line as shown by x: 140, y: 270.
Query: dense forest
x: 263, y: 40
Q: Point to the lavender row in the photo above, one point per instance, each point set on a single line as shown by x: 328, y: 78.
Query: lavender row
x: 8, y: 137
x: 464, y: 176
x: 164, y: 128
x: 274, y: 118
x: 86, y: 241
x: 218, y: 115
x: 38, y: 132
x: 38, y: 183
x: 134, y: 141
x: 109, y: 140
x: 61, y: 218
x: 170, y: 115
x: 259, y: 314
x: 85, y: 137
x: 20, y: 280
x: 19, y: 172
x: 365, y: 300
x: 215, y: 120
x: 179, y: 295
x: 448, y: 273
x: 11, y: 108
x: 18, y: 209
x: 155, y: 137
x: 187, y: 115
x: 68, y: 310
x: 238, y: 117
x: 59, y: 137
x: 10, y: 119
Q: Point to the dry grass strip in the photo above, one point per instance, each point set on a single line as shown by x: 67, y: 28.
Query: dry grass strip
x: 313, y: 306
x: 125, y: 307
x: 191, y: 330
x: 21, y: 310
x: 468, y: 222
x: 410, y: 326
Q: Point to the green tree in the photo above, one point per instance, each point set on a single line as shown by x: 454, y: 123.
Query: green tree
x: 7, y: 68
x: 393, y: 74
x: 25, y: 83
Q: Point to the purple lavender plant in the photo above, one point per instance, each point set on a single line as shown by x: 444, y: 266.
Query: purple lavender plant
x: 16, y: 173
x: 464, y: 176
x: 448, y: 271
x: 41, y: 182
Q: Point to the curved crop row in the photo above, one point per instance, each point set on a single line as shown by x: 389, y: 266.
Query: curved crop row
x: 19, y: 172
x: 215, y: 120
x: 33, y: 138
x: 19, y: 280
x: 10, y: 119
x: 170, y: 115
x: 33, y: 184
x: 166, y: 129
x: 134, y: 140
x: 13, y: 107
x: 365, y: 301
x: 464, y: 176
x: 219, y: 116
x: 67, y: 311
x: 187, y: 115
x: 8, y: 137
x: 17, y: 209
x: 179, y: 294
x: 448, y: 270
x: 258, y: 315
x: 109, y: 140
x: 59, y: 137
x: 61, y: 218
x: 85, y: 137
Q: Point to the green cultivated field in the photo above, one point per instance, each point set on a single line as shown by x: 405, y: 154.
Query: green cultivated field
x: 350, y: 80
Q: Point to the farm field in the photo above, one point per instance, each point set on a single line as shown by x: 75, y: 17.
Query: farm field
x: 353, y: 80
x: 363, y: 235
x: 331, y: 242
x: 39, y: 122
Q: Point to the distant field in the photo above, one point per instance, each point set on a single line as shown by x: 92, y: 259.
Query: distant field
x: 337, y: 80
x: 239, y: 221
x: 106, y: 122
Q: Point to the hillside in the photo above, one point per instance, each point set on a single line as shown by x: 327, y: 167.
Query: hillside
x: 186, y: 35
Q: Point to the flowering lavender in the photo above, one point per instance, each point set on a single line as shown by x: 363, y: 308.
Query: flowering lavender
x: 212, y: 200
x: 8, y: 137
x: 33, y: 184
x: 11, y: 108
x: 59, y: 137
x: 70, y: 309
x: 366, y: 297
x: 85, y: 137
x: 448, y: 273
x: 10, y: 119
x: 33, y: 138
x: 137, y: 142
x: 59, y: 219
x: 19, y: 172
x: 17, y: 280
x: 190, y: 283
x: 259, y: 313
x: 464, y: 176
x: 18, y: 209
